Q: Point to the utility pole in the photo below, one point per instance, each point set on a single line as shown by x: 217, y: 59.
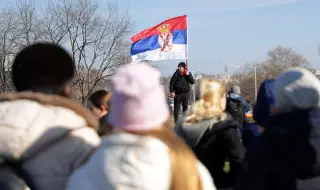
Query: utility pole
x: 255, y: 82
x: 194, y: 87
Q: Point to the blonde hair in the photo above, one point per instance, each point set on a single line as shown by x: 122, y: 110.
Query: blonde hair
x: 185, y: 174
x: 212, y: 94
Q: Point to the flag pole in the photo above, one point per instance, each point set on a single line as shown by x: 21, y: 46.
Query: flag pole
x: 187, y: 59
x: 187, y: 50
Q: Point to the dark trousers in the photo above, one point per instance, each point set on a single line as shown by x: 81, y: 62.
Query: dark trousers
x: 178, y: 100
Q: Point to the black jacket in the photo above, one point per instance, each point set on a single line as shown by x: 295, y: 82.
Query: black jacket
x: 215, y: 142
x: 102, y: 130
x: 286, y: 156
x: 180, y: 84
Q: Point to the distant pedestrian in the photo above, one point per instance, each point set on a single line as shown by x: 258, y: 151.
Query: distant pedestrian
x: 180, y: 88
x: 237, y: 107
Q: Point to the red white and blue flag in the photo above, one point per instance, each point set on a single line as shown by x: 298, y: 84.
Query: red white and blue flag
x: 167, y: 40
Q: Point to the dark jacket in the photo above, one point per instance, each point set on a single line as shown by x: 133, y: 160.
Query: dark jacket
x: 215, y: 142
x: 238, y: 97
x: 286, y: 155
x: 265, y: 100
x: 180, y: 84
x: 249, y: 133
x: 102, y: 130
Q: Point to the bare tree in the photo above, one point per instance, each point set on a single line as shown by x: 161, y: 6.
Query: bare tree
x: 8, y: 36
x: 96, y: 38
x: 53, y: 30
x: 19, y: 27
x: 77, y: 93
x: 278, y: 60
x: 97, y: 41
x: 28, y: 24
x: 282, y: 58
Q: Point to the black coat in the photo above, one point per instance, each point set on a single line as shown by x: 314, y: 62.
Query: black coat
x: 286, y: 155
x: 214, y: 143
x: 102, y: 130
x: 181, y: 83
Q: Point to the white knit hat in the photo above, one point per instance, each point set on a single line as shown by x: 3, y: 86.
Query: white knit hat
x: 297, y: 88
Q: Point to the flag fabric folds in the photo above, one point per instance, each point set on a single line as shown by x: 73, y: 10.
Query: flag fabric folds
x: 167, y: 40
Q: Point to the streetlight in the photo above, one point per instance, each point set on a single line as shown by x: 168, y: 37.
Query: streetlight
x: 234, y: 66
x: 255, y: 81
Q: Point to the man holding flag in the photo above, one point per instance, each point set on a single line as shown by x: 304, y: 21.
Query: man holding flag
x: 180, y: 88
x: 167, y: 40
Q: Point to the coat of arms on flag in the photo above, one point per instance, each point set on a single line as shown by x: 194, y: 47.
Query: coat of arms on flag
x: 165, y: 37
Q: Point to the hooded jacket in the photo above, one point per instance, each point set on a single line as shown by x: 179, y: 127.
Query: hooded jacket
x: 29, y: 122
x: 215, y: 142
x: 265, y: 99
x: 235, y: 94
x: 286, y: 155
x: 129, y: 162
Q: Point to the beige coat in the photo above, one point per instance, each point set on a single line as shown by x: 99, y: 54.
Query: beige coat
x: 29, y: 121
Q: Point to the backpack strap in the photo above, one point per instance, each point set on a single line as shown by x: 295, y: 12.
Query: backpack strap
x: 49, y: 144
x: 17, y: 164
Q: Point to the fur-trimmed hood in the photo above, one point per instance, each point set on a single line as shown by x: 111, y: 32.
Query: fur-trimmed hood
x: 29, y: 120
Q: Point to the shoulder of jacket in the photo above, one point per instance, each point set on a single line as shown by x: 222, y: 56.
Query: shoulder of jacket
x: 54, y: 101
x: 226, y: 125
x: 87, y: 135
x: 146, y: 155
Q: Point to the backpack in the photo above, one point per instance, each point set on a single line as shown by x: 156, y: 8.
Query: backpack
x: 235, y: 109
x: 13, y: 176
x: 210, y: 135
x: 203, y: 150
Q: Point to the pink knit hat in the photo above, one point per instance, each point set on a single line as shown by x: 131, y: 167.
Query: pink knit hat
x: 138, y: 101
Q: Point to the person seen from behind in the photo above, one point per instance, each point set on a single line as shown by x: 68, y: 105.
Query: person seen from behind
x: 180, y: 89
x: 44, y: 133
x: 141, y: 152
x: 98, y: 103
x: 237, y: 107
x: 213, y: 134
x: 261, y: 112
x: 286, y: 154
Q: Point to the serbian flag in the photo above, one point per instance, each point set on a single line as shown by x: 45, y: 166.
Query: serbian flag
x: 167, y: 40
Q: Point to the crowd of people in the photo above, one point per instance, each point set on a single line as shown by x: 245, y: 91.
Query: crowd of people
x: 125, y: 138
